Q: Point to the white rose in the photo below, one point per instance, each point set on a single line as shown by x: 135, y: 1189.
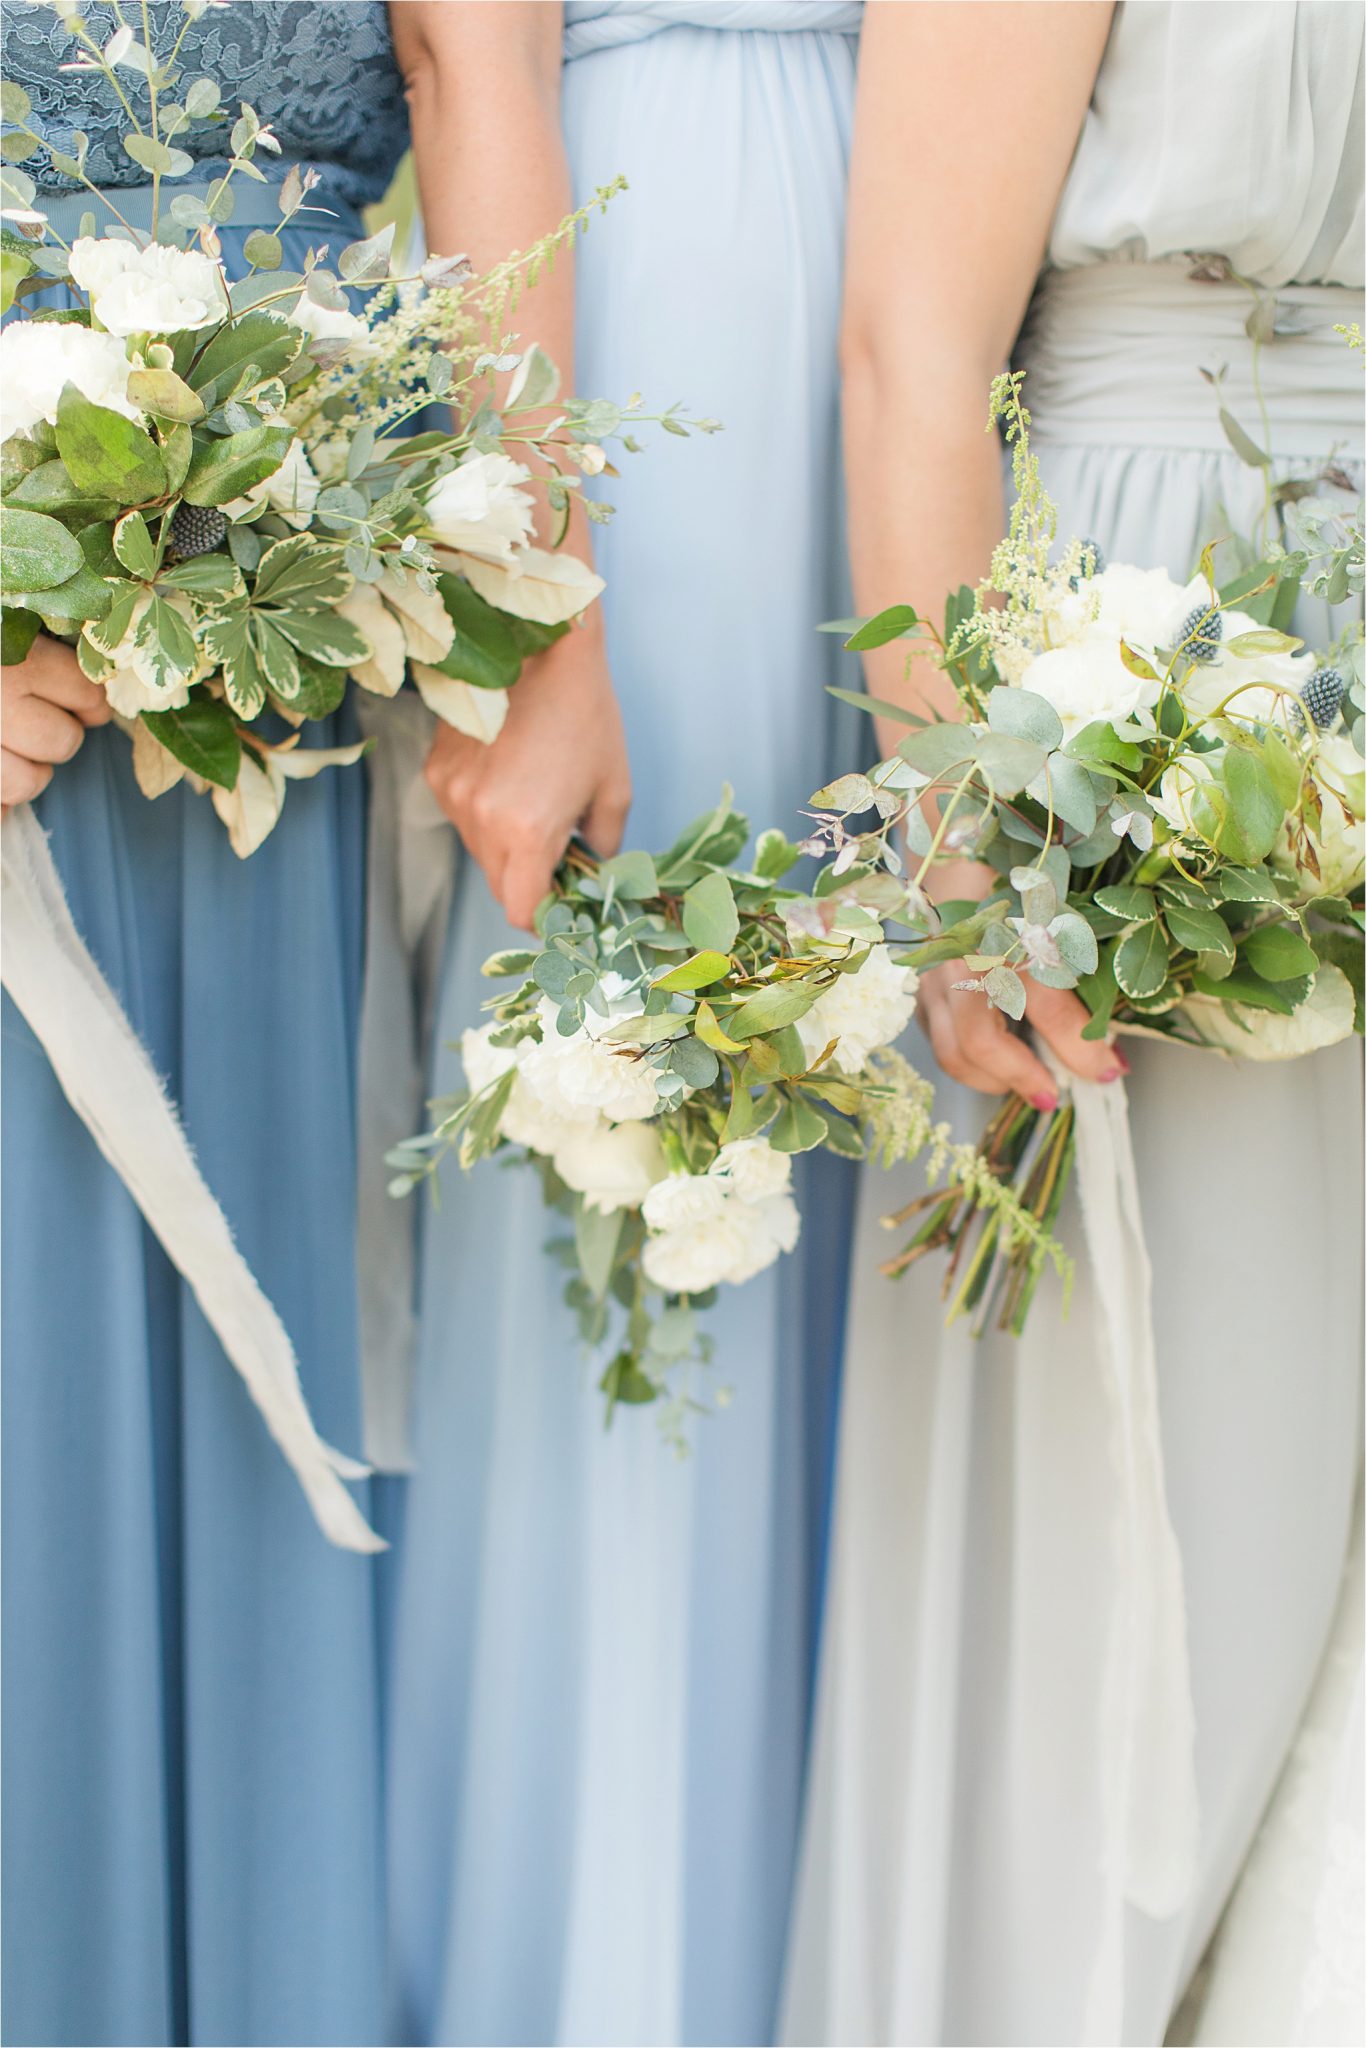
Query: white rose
x: 39, y: 357
x: 613, y: 1166
x: 527, y: 1119
x: 1207, y: 684
x: 1145, y: 606
x: 863, y: 1011
x: 156, y: 290
x: 753, y: 1168
x: 1087, y: 681
x: 327, y: 323
x: 480, y: 509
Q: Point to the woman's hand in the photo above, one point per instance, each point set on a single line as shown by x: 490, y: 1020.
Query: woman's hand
x: 46, y: 704
x: 974, y: 1043
x: 558, y: 765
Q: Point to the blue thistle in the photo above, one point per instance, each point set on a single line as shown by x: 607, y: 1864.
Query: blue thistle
x: 1322, y: 695
x: 1201, y: 632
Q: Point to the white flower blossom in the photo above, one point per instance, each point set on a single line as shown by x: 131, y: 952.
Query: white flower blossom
x: 329, y: 323
x: 1234, y: 679
x: 753, y: 1168
x: 863, y: 1011
x: 586, y: 1072
x: 151, y: 290
x: 1174, y: 796
x: 480, y: 509
x: 613, y: 1166
x: 528, y: 1118
x: 39, y: 358
x: 1087, y: 680
x: 731, y: 1246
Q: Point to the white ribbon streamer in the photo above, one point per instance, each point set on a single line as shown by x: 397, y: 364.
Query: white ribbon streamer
x: 410, y: 877
x: 109, y: 1081
x: 1150, y: 1810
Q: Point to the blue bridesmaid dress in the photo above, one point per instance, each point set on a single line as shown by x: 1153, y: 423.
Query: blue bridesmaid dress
x: 602, y: 1654
x: 192, y: 1833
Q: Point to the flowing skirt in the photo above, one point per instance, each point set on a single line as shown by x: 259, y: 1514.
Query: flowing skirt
x: 951, y: 1889
x: 603, y: 1654
x: 191, y: 1788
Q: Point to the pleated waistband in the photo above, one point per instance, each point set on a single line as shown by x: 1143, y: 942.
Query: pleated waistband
x: 1114, y: 354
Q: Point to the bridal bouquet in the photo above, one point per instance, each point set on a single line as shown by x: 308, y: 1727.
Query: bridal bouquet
x: 685, y: 1026
x: 207, y: 489
x: 1171, y: 790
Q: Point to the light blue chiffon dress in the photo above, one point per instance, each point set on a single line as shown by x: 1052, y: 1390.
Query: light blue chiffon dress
x: 191, y: 1783
x: 603, y: 1655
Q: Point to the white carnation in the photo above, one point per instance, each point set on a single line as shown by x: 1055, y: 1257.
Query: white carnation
x: 155, y: 290
x: 587, y: 1074
x: 686, y: 1200
x: 527, y: 1119
x: 753, y: 1168
x: 38, y: 358
x: 1087, y: 680
x: 733, y: 1244
x: 613, y: 1166
x: 863, y: 1011
x: 480, y: 508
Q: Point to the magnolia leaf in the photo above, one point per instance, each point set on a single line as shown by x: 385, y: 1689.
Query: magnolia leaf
x: 202, y: 737
x: 35, y: 552
x: 479, y: 713
x: 386, y: 665
x: 155, y: 768
x: 250, y: 808
x: 106, y: 454
x: 546, y: 588
x: 225, y: 469
x: 711, y: 1033
x: 426, y: 623
x: 483, y: 650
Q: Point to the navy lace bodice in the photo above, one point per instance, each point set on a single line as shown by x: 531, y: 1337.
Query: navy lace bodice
x: 321, y: 73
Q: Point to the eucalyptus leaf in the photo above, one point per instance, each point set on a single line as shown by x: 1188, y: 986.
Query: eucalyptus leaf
x: 1025, y: 716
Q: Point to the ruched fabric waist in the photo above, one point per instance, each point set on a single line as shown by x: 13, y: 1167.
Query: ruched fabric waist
x: 1114, y: 354
x: 607, y: 24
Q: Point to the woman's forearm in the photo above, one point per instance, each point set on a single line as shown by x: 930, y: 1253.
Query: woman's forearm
x: 483, y: 87
x: 925, y: 510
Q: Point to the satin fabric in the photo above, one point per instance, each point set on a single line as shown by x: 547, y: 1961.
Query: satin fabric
x: 950, y: 1888
x: 603, y: 1654
x: 191, y: 1741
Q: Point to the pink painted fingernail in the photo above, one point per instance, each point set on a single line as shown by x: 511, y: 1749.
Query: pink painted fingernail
x: 1044, y: 1102
x: 1114, y: 1074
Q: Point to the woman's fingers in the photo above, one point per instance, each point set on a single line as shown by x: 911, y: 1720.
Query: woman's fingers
x: 606, y: 820
x: 990, y: 1044
x: 21, y: 780
x: 1059, y: 1017
x: 62, y: 683
x: 41, y: 731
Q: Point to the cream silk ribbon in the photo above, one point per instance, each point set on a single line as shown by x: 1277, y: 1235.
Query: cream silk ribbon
x: 1149, y: 1806
x: 109, y: 1081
